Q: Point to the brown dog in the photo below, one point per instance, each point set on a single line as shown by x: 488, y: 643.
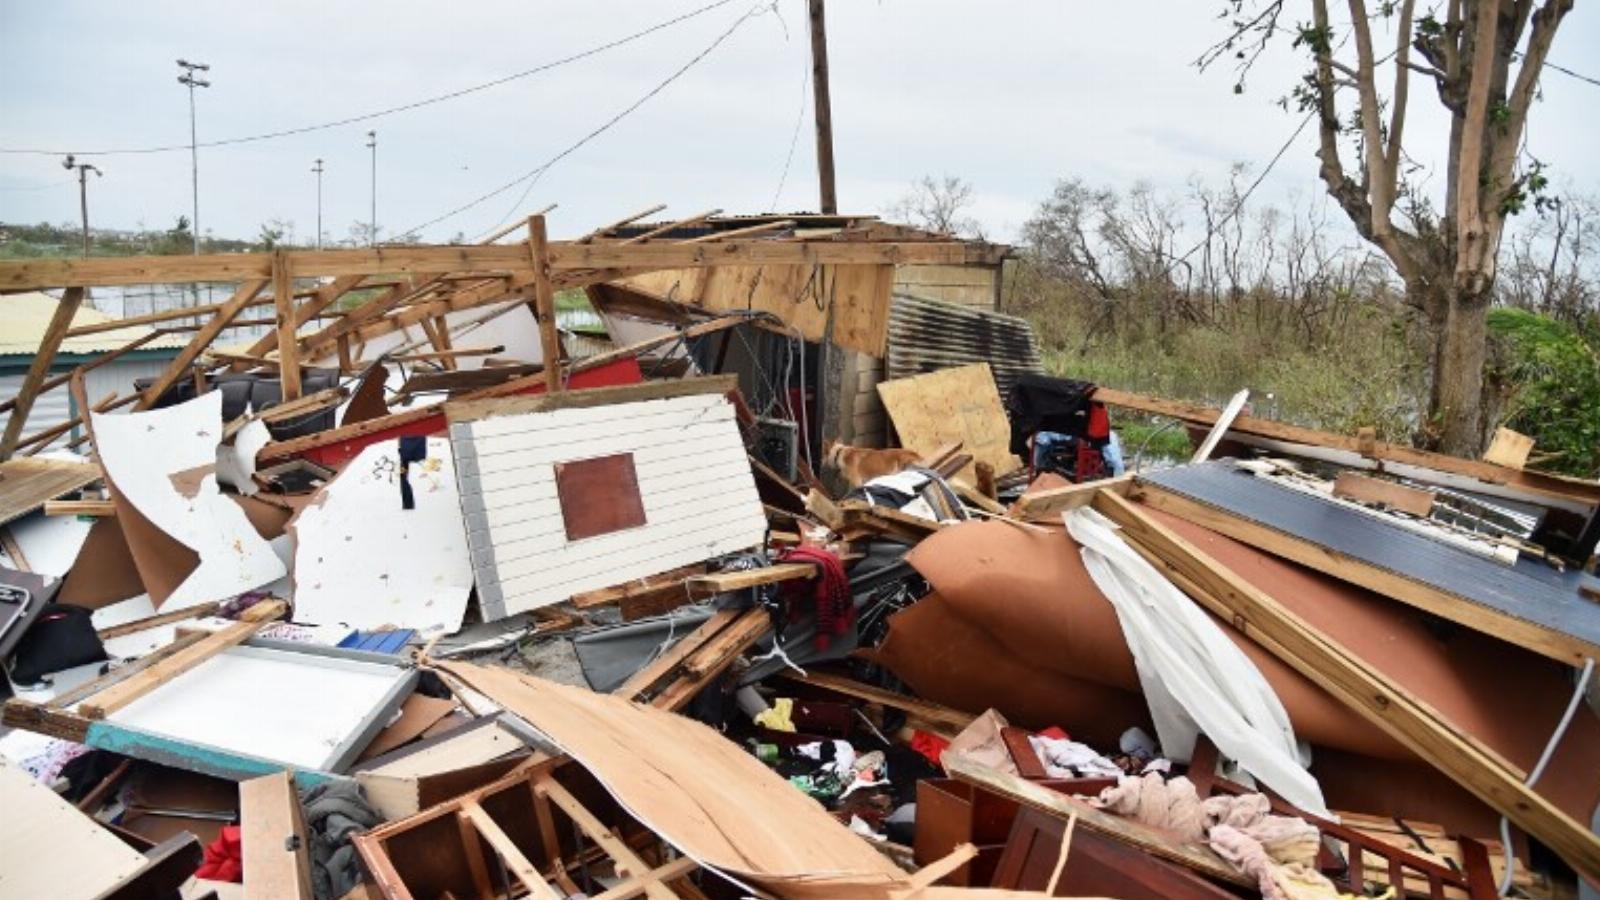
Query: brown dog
x: 859, y: 465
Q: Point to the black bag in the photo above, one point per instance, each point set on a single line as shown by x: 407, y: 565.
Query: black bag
x: 62, y: 637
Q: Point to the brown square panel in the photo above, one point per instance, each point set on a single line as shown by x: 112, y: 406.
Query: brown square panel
x: 599, y: 496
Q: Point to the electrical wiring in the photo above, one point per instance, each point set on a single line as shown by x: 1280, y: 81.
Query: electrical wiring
x: 532, y: 176
x: 388, y: 111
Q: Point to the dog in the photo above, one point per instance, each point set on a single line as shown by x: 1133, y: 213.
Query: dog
x: 859, y: 465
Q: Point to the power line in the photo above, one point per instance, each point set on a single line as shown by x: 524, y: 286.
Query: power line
x: 532, y: 176
x: 799, y: 117
x: 404, y: 107
x: 1566, y: 71
x: 1238, y: 207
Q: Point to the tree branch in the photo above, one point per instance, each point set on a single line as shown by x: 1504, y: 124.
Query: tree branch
x: 1402, y: 88
x: 1377, y: 168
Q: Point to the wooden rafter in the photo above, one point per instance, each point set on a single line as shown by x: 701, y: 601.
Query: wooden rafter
x: 202, y: 339
x: 39, y: 274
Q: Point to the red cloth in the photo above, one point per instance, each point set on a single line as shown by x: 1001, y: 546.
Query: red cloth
x: 929, y: 745
x: 830, y: 591
x: 224, y: 859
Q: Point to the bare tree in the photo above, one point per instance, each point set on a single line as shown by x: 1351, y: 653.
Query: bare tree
x: 938, y: 204
x: 1484, y: 59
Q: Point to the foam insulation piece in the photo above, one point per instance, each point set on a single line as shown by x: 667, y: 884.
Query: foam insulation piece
x: 163, y: 462
x: 362, y: 561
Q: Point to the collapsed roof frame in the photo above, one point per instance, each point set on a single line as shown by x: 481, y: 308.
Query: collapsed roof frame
x: 420, y: 285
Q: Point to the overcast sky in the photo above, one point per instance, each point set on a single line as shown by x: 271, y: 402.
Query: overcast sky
x: 1010, y: 96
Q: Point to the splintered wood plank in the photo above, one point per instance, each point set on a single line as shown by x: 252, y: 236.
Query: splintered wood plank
x: 714, y: 657
x: 702, y: 586
x: 663, y: 665
x: 519, y: 864
x: 948, y: 406
x: 1048, y: 505
x: 119, y: 695
x: 643, y: 587
x: 54, y: 334
x: 277, y: 861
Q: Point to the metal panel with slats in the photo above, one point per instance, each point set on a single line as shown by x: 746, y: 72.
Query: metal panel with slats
x: 927, y: 335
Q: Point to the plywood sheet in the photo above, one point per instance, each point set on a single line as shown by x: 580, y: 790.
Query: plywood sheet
x: 949, y: 406
x: 362, y: 561
x: 298, y: 709
x: 701, y: 792
x: 694, y: 481
x: 803, y: 297
x: 162, y: 465
x: 27, y: 482
x: 49, y: 849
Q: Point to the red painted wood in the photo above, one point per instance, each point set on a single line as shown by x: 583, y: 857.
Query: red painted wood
x: 334, y: 456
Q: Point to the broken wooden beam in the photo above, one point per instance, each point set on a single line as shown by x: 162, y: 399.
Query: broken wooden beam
x: 90, y: 508
x: 123, y: 693
x: 54, y: 334
x: 703, y: 587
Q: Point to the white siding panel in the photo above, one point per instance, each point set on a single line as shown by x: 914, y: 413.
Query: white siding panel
x: 698, y: 494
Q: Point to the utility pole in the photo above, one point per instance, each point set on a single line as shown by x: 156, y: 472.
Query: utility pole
x: 189, y: 80
x: 823, y: 109
x: 84, y: 169
x: 318, y: 169
x: 372, y: 144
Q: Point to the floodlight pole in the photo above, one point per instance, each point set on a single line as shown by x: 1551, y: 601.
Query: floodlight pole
x: 83, y: 192
x: 318, y: 169
x: 189, y: 80
x: 372, y: 144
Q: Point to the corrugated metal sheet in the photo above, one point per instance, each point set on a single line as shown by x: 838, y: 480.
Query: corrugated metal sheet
x: 24, y: 318
x: 55, y: 406
x: 926, y: 335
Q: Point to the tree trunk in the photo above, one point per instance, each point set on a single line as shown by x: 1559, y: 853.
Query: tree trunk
x: 1458, y: 379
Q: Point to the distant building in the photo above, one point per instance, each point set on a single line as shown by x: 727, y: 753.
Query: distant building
x: 23, y: 320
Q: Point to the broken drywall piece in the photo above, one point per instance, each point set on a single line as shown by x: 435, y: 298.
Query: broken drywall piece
x: 362, y: 561
x: 236, y: 462
x: 140, y: 453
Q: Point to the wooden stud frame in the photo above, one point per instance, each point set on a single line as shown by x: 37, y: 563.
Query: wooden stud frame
x: 547, y: 795
x: 442, y: 280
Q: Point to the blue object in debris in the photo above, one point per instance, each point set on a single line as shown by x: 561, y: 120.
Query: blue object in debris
x: 390, y: 642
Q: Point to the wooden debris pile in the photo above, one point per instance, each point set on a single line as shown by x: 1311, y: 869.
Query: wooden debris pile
x: 406, y: 598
